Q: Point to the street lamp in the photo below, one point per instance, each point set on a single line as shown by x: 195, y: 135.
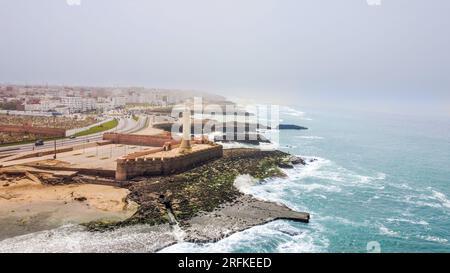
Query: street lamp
x: 54, y: 125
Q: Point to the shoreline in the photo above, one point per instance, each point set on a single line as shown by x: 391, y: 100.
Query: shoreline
x: 201, y: 205
x: 29, y: 206
x: 209, y: 227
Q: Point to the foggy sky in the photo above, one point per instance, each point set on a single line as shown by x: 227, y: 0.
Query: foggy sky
x: 392, y: 57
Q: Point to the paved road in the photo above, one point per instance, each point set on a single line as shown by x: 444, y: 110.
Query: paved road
x: 126, y: 125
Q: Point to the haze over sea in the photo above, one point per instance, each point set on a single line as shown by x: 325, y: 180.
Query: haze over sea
x: 380, y: 180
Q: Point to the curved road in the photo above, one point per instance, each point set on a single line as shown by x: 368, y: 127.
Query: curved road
x: 126, y: 125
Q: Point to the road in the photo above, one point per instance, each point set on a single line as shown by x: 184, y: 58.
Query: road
x: 126, y: 125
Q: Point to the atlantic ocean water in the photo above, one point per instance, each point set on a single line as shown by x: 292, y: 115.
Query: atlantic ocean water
x: 381, y: 183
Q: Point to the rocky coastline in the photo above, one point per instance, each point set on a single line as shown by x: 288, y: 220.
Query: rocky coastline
x: 204, y: 203
x: 201, y: 205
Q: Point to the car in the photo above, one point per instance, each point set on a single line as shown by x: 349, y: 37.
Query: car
x: 39, y: 142
x: 72, y: 137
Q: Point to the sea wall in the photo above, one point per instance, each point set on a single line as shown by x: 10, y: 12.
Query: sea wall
x: 129, y: 168
x: 26, y: 129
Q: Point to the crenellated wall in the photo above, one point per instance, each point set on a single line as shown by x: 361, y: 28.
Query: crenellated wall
x: 129, y: 168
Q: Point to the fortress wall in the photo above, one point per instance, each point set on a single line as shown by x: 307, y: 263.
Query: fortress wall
x: 142, y: 140
x: 26, y: 129
x: 129, y: 168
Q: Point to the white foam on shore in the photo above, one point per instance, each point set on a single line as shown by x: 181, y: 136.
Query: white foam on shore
x: 244, y: 183
x: 278, y: 236
x: 75, y: 238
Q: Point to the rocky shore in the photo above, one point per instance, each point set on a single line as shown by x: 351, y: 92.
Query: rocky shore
x: 201, y: 205
x: 206, y: 189
x: 244, y: 212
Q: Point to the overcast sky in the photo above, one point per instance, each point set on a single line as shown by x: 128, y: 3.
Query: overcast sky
x: 393, y: 57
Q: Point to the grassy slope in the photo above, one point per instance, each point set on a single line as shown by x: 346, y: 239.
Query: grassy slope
x: 100, y: 128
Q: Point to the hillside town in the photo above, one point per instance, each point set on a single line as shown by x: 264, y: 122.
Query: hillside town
x: 45, y: 100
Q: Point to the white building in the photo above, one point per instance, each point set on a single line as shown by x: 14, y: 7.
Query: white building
x: 78, y: 104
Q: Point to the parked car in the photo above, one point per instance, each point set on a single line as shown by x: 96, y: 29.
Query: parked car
x: 39, y: 142
x: 72, y: 137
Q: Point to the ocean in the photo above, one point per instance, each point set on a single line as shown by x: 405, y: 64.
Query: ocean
x: 380, y: 184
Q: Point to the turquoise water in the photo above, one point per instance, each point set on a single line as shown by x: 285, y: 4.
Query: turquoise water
x: 380, y: 181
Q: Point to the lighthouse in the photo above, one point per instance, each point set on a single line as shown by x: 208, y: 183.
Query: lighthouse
x: 186, y: 139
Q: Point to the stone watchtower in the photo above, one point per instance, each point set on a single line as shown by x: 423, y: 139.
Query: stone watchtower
x: 186, y: 139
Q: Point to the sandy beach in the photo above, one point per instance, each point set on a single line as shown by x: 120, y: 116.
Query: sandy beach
x: 28, y: 206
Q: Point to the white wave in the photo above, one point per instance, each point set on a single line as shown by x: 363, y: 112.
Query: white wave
x: 333, y: 179
x: 310, y: 137
x: 327, y: 170
x: 403, y: 220
x: 244, y: 183
x: 385, y: 231
x: 75, y: 238
x: 277, y: 236
x: 433, y: 239
x: 442, y: 198
x: 235, y: 145
x: 319, y: 187
x: 336, y: 219
x: 420, y: 203
x: 434, y: 200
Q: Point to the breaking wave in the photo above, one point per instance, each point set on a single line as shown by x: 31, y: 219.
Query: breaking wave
x: 75, y: 238
x: 310, y: 137
x: 278, y: 236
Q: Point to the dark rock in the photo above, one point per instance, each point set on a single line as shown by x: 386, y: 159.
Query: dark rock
x: 297, y: 160
x: 285, y: 165
x: 291, y: 127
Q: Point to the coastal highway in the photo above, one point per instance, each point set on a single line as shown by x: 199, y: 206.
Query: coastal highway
x: 126, y: 125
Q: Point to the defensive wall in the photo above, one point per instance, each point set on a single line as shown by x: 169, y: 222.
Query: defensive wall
x: 141, y: 166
